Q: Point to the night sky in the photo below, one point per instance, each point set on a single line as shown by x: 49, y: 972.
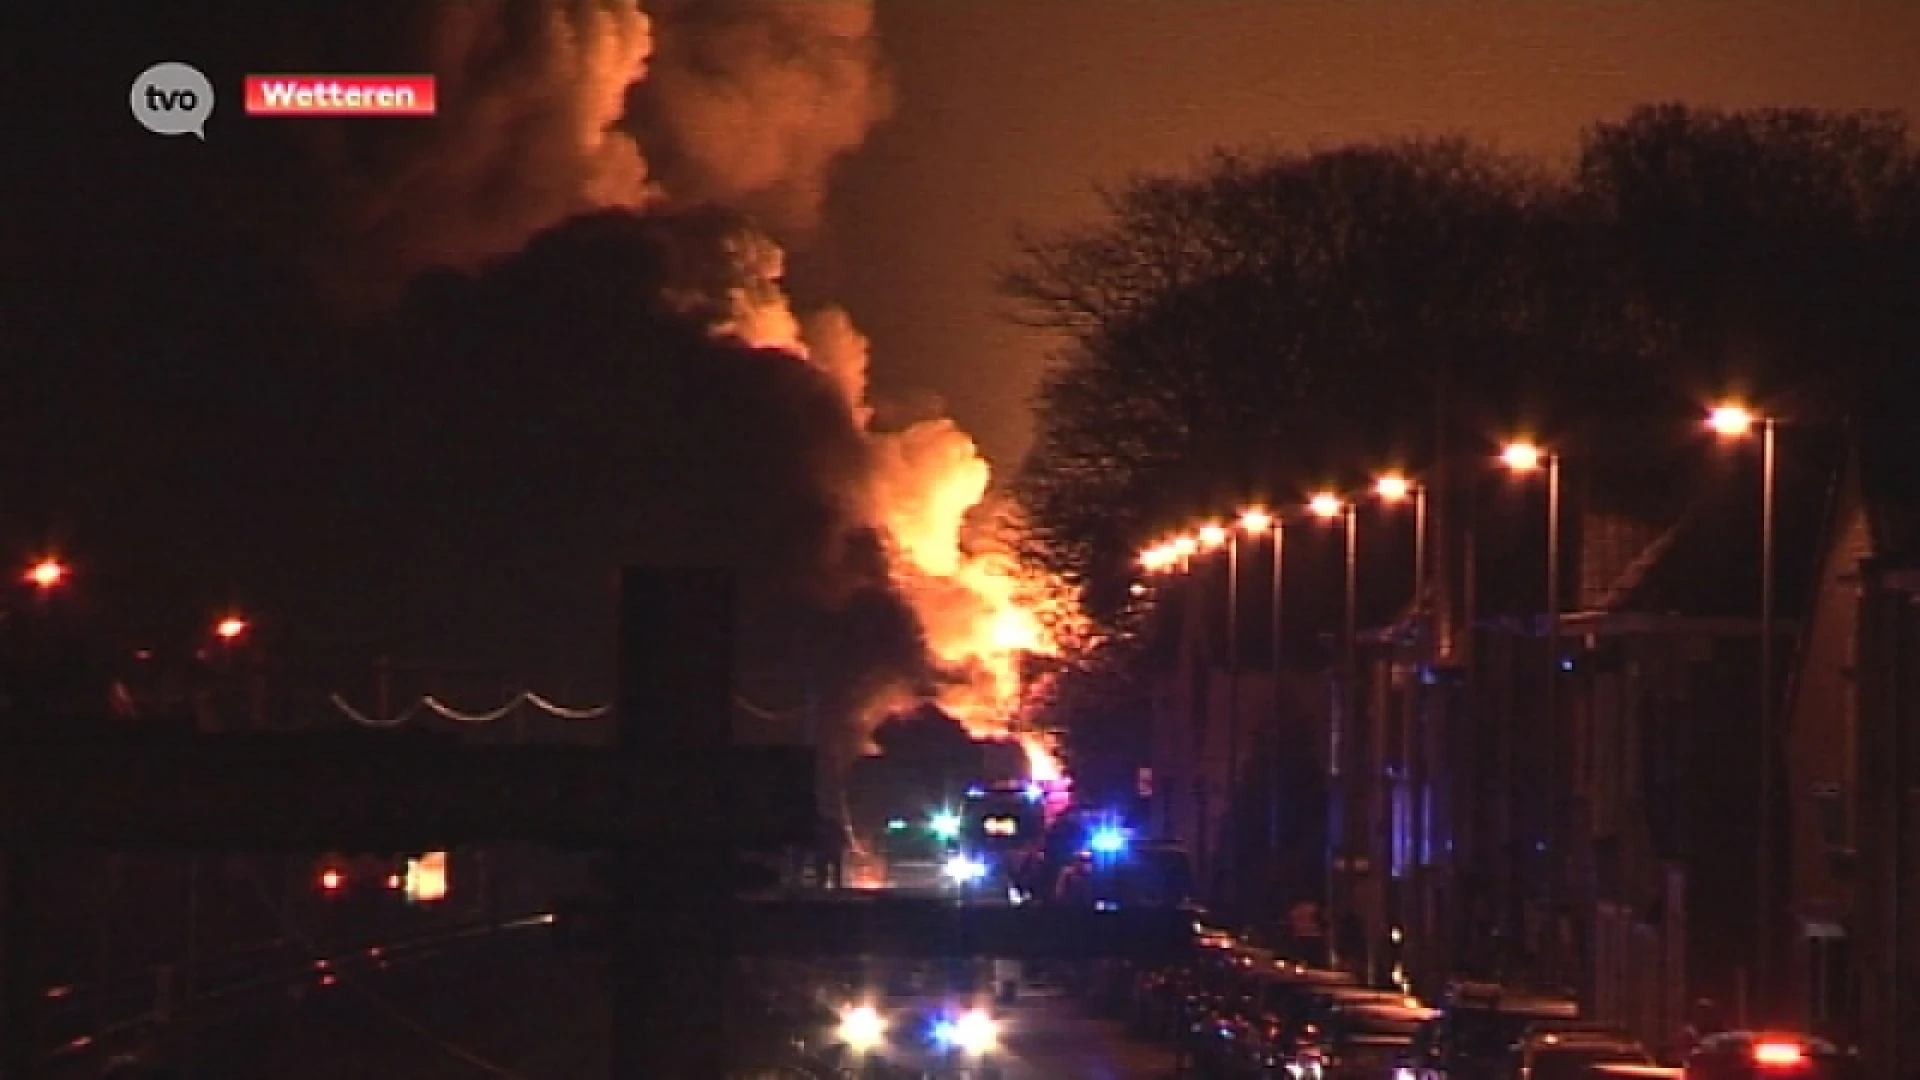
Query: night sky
x: 1010, y: 112
x: 219, y: 387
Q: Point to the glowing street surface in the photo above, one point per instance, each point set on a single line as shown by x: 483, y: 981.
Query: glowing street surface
x: 1052, y: 1038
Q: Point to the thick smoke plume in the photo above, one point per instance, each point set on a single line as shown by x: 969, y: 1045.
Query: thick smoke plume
x: 925, y: 494
x: 531, y: 97
x: 661, y: 398
x: 750, y: 102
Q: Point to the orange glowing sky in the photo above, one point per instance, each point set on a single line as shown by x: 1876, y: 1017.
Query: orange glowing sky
x: 1010, y: 110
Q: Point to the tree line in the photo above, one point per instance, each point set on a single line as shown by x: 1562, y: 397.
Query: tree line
x: 1272, y: 322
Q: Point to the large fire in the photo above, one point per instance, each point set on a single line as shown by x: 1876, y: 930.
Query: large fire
x: 753, y: 101
x: 984, y: 612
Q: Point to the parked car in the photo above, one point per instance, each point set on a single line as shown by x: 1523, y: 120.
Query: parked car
x: 1768, y: 1055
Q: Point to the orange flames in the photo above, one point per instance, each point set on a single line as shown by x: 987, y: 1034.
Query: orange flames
x: 983, y: 611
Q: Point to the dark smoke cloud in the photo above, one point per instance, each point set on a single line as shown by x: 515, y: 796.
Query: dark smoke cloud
x: 571, y: 408
x: 531, y: 93
x: 750, y: 102
x: 743, y: 103
x: 418, y: 389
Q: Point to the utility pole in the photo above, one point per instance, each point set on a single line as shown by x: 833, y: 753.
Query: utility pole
x: 671, y: 961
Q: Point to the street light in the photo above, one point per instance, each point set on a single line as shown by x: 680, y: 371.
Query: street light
x: 1525, y: 457
x: 1329, y: 507
x: 230, y: 629
x: 1157, y: 559
x: 1255, y: 521
x: 46, y: 573
x: 1735, y: 421
x: 1211, y: 537
x: 1522, y: 456
x: 1394, y: 487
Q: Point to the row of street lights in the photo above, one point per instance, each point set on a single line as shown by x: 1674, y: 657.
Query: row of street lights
x: 1175, y: 553
x: 49, y: 573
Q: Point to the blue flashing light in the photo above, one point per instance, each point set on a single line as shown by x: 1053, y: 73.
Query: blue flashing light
x: 897, y: 824
x: 976, y: 792
x: 945, y: 1033
x: 1035, y: 793
x: 1108, y: 840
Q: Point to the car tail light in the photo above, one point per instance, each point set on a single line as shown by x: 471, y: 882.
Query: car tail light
x: 1778, y: 1054
x: 332, y: 880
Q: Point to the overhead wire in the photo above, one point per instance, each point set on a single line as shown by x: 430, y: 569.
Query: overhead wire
x: 437, y: 706
x: 541, y: 702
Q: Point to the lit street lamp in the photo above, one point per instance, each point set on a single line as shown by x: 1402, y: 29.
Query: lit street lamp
x: 1522, y: 456
x: 1735, y: 421
x: 1255, y: 521
x: 230, y: 629
x: 1156, y: 559
x: 1394, y: 488
x: 1330, y: 507
x: 1183, y: 547
x: 1526, y: 457
x: 47, y: 573
x: 1212, y: 537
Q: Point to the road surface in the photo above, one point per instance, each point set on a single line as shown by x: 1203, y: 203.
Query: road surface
x: 1052, y: 1038
x: 508, y: 1006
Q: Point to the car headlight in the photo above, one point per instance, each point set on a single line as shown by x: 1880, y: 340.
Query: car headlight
x: 862, y: 1028
x: 963, y: 870
x: 973, y: 1031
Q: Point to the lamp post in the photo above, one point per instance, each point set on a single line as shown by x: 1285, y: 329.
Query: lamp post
x: 1160, y: 559
x: 1255, y: 521
x: 1528, y: 457
x: 1171, y: 556
x: 1213, y: 537
x: 1734, y: 421
x: 1330, y: 507
x: 1393, y: 489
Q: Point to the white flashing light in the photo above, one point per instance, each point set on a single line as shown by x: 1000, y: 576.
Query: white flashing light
x: 962, y: 870
x: 974, y: 1032
x: 862, y: 1028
